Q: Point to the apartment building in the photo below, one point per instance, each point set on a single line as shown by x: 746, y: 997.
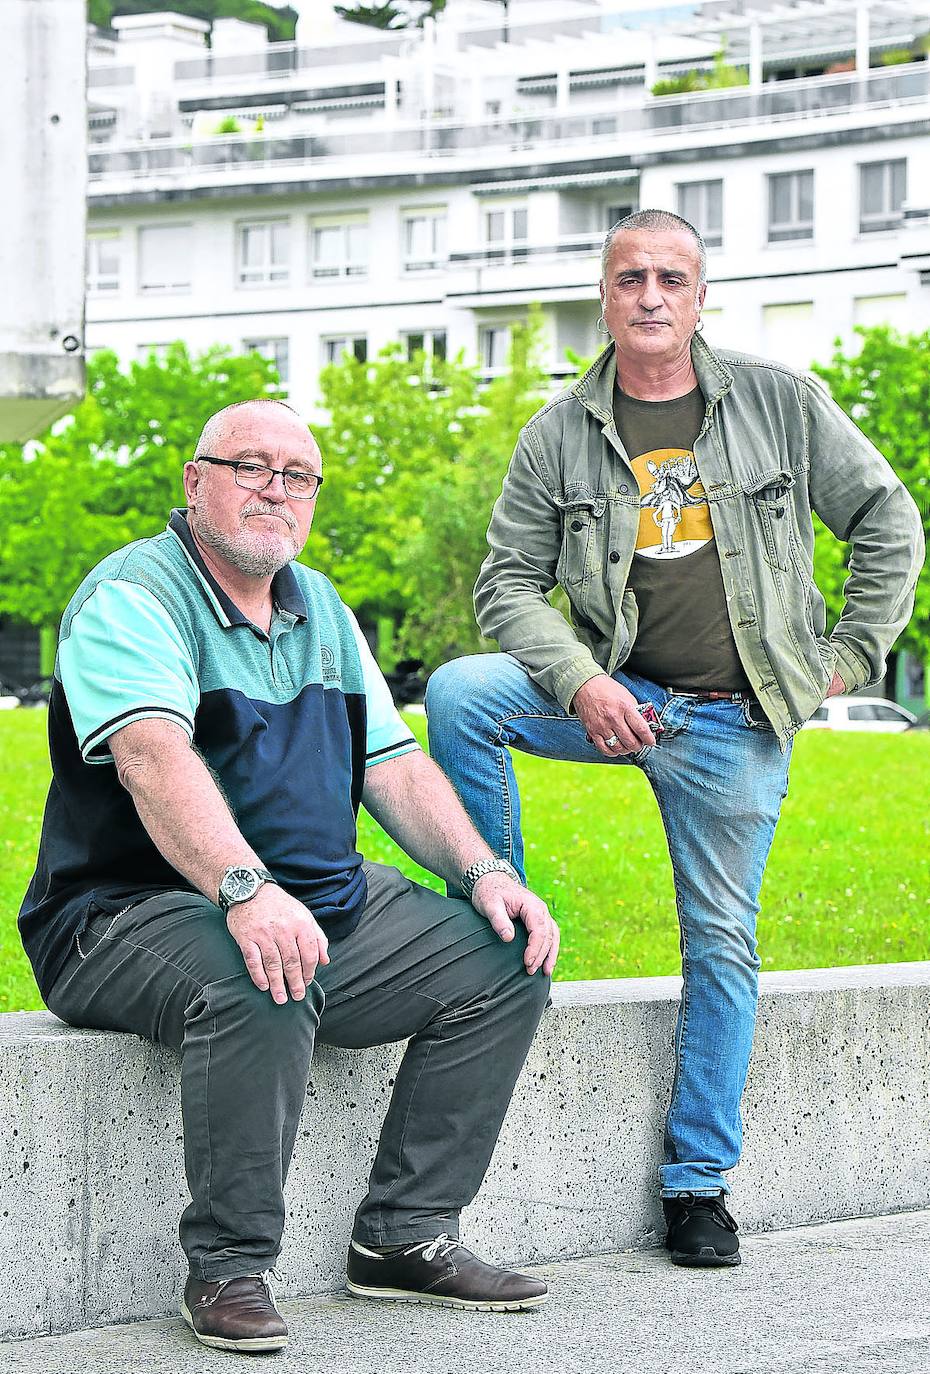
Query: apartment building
x: 427, y: 188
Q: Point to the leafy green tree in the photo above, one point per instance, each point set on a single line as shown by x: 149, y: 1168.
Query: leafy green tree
x: 442, y: 558
x: 885, y: 388
x: 110, y: 472
x: 391, y: 14
x: 397, y: 426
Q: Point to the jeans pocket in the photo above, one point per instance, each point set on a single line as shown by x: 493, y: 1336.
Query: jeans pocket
x: 755, y: 718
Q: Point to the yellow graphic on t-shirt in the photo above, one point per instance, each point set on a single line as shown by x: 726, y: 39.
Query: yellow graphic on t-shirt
x: 674, y: 519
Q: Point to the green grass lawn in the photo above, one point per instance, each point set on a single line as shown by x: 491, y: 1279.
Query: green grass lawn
x: 848, y: 881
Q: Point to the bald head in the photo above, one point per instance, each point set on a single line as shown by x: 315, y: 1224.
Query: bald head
x: 241, y: 415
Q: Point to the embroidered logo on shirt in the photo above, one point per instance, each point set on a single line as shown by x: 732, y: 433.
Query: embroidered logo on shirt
x: 328, y: 660
x: 674, y: 519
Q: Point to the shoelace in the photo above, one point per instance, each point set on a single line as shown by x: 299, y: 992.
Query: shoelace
x: 266, y: 1277
x: 429, y: 1249
x: 714, y: 1205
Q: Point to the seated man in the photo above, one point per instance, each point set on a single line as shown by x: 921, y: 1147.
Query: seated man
x: 215, y: 721
x: 669, y: 493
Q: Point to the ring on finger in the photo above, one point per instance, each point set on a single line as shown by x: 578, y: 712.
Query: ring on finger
x: 612, y: 742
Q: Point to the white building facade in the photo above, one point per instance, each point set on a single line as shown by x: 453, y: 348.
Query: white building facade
x: 430, y: 188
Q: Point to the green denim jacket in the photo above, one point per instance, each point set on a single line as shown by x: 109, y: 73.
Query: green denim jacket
x: 773, y: 448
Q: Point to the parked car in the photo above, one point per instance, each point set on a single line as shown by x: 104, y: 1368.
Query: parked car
x: 861, y: 713
x: 9, y: 699
x: 407, y: 682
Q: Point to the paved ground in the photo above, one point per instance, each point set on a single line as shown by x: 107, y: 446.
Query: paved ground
x: 847, y: 1298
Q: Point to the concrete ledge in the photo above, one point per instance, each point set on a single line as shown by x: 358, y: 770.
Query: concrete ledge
x: 91, y: 1182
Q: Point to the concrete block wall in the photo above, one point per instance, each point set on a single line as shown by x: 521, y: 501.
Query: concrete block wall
x: 837, y: 1118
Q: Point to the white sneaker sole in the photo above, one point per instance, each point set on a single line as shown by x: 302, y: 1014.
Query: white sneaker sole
x: 402, y: 1295
x: 249, y: 1343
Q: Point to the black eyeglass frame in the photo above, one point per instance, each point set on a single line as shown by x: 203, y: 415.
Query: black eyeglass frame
x: 283, y: 473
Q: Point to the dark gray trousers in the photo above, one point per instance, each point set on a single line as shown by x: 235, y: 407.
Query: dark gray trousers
x: 419, y: 966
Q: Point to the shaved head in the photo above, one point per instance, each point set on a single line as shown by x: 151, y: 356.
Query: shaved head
x: 661, y: 221
x: 219, y: 425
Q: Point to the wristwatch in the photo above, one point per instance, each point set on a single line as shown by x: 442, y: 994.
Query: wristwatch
x: 240, y: 884
x: 477, y: 870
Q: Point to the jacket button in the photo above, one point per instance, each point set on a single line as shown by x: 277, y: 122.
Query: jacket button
x: 624, y: 489
x: 614, y: 556
x: 778, y: 512
x: 577, y: 525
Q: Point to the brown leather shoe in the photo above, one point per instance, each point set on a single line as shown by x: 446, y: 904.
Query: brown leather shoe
x: 235, y: 1314
x: 443, y: 1272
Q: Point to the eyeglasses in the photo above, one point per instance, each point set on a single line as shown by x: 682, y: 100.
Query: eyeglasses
x: 299, y: 485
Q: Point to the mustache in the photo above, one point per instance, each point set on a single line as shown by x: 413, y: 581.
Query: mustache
x: 266, y: 508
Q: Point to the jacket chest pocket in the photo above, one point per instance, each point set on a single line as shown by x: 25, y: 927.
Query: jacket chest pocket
x: 771, y: 516
x: 582, y: 535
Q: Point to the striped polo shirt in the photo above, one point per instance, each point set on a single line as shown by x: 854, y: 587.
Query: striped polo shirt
x: 287, y: 722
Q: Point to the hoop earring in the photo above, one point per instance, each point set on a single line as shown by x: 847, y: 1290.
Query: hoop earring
x: 601, y: 325
x: 699, y: 327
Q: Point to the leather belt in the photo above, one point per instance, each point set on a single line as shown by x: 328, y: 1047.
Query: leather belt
x: 712, y: 696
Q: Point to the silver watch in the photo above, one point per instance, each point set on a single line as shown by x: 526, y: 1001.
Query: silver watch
x: 479, y: 869
x: 240, y: 884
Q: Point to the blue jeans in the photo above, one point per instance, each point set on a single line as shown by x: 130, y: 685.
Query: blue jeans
x: 719, y: 779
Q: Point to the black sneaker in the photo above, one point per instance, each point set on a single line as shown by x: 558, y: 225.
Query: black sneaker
x: 701, y: 1232
x: 440, y: 1271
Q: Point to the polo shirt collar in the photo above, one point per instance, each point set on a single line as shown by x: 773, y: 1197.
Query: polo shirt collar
x: 285, y: 589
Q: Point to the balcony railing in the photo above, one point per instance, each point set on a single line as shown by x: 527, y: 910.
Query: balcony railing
x: 282, y: 59
x: 806, y: 99
x: 110, y: 76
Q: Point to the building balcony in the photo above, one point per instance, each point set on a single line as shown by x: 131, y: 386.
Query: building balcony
x: 805, y: 107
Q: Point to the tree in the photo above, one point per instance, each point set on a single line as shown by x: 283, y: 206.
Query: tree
x: 885, y: 388
x: 442, y: 559
x: 392, y: 14
x: 397, y: 426
x: 109, y: 473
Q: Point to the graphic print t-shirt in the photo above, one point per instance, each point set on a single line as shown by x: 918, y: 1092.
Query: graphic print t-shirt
x: 684, y: 638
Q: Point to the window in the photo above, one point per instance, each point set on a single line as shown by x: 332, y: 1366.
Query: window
x: 339, y: 247
x: 890, y: 715
x: 103, y: 261
x: 882, y: 191
x: 505, y: 232
x: 494, y: 347
x: 332, y: 349
x: 791, y: 206
x: 262, y: 252
x: 277, y: 351
x: 424, y: 240
x: 165, y: 257
x: 613, y: 214
x: 701, y: 204
x: 871, y: 310
x: 788, y: 332
x: 432, y: 342
x: 158, y: 351
x: 820, y: 713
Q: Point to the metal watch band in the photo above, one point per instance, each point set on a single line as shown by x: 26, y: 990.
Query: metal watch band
x: 478, y: 870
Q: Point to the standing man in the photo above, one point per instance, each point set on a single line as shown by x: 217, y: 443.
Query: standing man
x: 715, y: 623
x: 215, y: 721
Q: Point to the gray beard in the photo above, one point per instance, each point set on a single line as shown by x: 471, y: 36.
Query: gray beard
x: 256, y: 559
